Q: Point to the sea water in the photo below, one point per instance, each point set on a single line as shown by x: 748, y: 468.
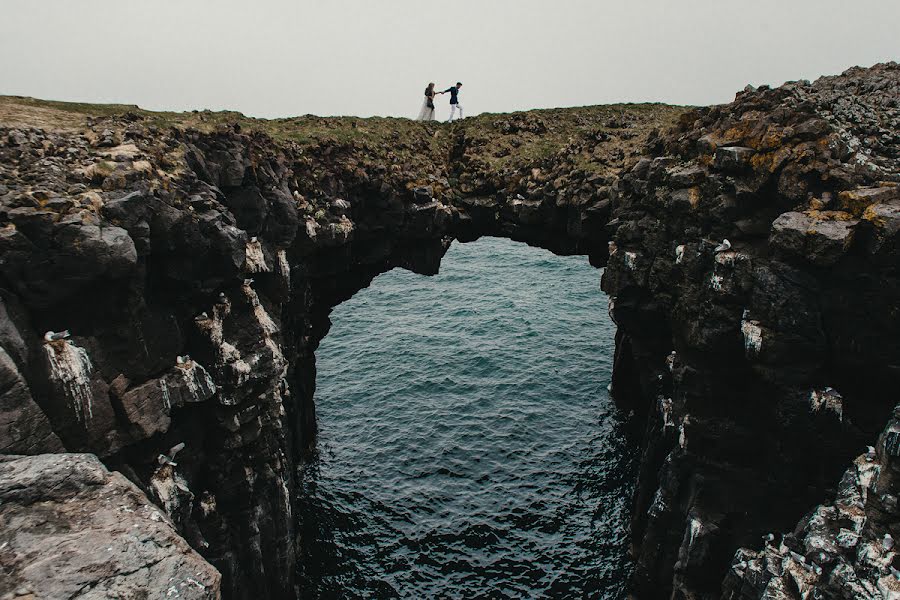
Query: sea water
x: 468, y: 447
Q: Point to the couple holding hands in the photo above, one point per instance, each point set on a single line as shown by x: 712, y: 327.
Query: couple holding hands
x: 427, y: 112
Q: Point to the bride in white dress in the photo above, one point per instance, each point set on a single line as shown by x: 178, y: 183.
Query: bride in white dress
x: 427, y: 112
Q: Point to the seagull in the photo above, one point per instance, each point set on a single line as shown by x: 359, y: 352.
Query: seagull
x: 176, y: 449
x: 888, y: 542
x: 52, y: 336
x: 725, y: 245
x: 165, y: 460
x: 253, y: 240
x: 169, y: 459
x: 870, y: 453
x: 182, y: 360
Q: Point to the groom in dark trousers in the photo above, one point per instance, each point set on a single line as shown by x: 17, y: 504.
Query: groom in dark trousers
x: 454, y: 100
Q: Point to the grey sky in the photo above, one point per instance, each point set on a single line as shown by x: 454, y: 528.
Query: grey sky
x: 373, y: 57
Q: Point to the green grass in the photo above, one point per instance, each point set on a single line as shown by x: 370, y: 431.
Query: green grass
x: 571, y: 131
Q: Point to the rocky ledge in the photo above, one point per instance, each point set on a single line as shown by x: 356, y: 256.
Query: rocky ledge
x: 166, y: 279
x: 72, y: 529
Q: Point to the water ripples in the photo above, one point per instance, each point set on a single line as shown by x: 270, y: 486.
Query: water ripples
x: 468, y: 448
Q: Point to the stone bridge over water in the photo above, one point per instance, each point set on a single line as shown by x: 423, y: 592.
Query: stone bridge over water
x: 195, y: 266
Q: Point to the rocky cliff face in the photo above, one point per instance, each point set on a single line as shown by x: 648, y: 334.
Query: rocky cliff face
x: 194, y: 270
x: 193, y: 261
x: 763, y: 364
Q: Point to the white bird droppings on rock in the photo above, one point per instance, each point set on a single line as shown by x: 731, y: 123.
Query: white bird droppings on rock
x: 752, y: 333
x: 70, y: 367
x: 255, y: 261
x: 716, y: 282
x: 284, y: 268
x: 665, y: 409
x: 828, y: 399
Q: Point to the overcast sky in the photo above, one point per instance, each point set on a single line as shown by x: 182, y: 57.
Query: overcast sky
x: 276, y: 58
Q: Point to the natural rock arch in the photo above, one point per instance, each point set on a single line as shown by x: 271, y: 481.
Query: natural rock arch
x: 150, y: 244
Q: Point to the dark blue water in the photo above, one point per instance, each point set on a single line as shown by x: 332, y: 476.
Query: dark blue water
x: 468, y: 447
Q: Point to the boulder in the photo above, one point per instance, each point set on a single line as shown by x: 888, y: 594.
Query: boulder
x: 107, y: 539
x: 130, y: 213
x: 856, y: 201
x: 820, y: 240
x: 733, y: 158
x: 149, y: 406
x: 423, y: 195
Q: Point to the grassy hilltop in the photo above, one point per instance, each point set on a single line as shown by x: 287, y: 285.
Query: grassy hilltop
x: 596, y: 139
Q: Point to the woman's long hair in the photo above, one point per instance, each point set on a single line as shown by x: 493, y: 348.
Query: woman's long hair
x: 430, y: 87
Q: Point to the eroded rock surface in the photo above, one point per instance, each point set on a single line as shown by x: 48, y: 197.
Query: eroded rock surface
x: 69, y: 528
x: 756, y: 294
x: 843, y: 549
x: 171, y: 285
x: 167, y: 278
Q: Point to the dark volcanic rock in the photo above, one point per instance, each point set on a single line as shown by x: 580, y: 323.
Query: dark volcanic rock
x: 843, y: 549
x: 751, y: 253
x: 754, y: 330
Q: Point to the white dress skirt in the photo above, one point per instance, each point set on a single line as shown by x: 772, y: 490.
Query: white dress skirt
x: 426, y: 114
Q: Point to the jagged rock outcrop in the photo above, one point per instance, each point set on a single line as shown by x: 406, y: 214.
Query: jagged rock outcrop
x: 763, y: 363
x: 843, y: 549
x: 71, y: 529
x: 166, y: 280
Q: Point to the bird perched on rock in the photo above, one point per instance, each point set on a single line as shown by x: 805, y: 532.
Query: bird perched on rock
x: 870, y: 453
x: 169, y: 459
x: 723, y: 247
x: 52, y: 336
x: 888, y: 542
